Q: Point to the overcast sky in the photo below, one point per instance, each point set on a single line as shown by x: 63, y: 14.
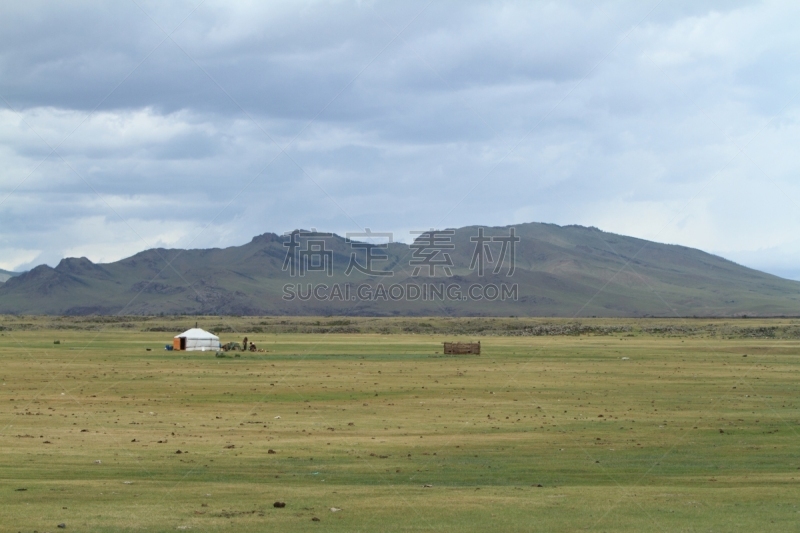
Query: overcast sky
x: 130, y: 125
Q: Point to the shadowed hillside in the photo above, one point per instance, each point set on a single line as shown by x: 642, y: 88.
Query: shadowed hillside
x: 558, y: 271
x: 5, y: 275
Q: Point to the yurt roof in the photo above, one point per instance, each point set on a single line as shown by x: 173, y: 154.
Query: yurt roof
x: 197, y: 333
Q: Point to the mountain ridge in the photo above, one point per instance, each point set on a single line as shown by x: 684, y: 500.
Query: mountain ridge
x: 558, y: 271
x: 5, y: 275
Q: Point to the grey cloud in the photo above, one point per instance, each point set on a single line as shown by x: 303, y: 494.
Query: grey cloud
x: 480, y: 113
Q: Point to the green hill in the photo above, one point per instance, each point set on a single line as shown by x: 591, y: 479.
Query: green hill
x: 559, y: 271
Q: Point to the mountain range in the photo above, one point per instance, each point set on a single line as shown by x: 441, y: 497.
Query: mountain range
x: 557, y: 271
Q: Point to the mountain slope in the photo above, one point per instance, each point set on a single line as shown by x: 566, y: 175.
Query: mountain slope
x: 5, y: 275
x: 559, y: 271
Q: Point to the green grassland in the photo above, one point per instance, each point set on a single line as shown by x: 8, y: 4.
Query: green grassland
x: 611, y: 426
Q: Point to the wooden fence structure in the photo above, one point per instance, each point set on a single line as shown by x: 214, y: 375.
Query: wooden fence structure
x: 462, y: 348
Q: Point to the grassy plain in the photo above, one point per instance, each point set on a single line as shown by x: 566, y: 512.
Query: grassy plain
x: 631, y: 431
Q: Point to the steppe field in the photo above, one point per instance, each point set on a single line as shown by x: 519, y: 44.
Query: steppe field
x: 361, y: 424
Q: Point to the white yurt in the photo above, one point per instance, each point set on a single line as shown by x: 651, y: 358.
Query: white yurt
x: 196, y: 339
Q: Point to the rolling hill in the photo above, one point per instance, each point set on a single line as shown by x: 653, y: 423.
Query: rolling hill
x: 5, y: 275
x: 558, y: 271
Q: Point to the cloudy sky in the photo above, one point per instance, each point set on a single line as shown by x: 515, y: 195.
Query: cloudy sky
x: 130, y: 125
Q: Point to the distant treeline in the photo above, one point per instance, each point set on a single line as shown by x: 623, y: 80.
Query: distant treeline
x: 778, y: 328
